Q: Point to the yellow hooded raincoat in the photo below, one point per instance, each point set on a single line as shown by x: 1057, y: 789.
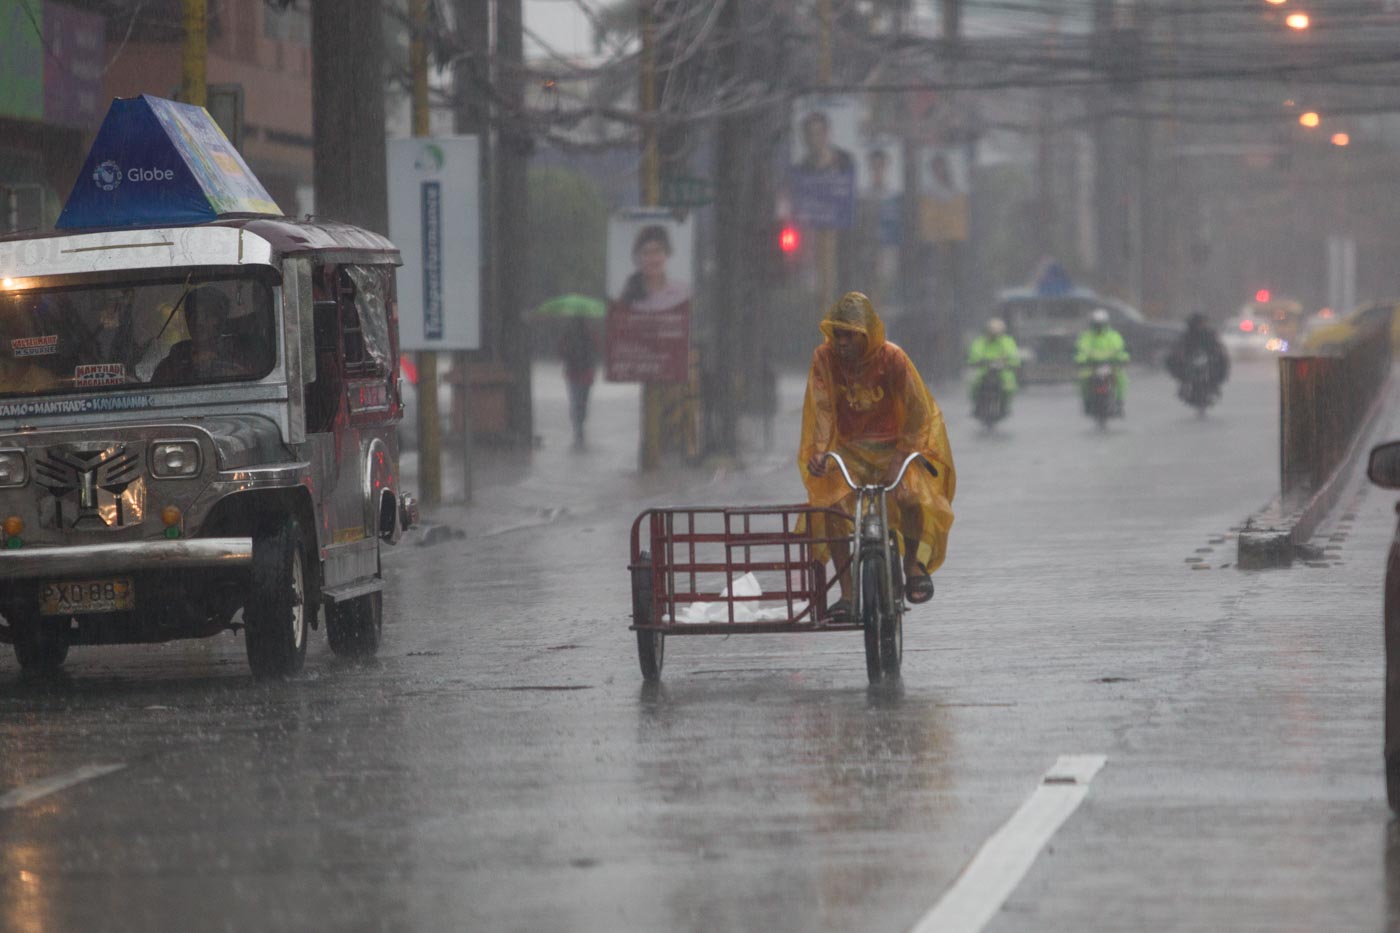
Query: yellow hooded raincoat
x: 873, y: 413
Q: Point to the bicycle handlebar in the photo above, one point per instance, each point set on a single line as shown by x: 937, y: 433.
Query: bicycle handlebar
x: 846, y: 474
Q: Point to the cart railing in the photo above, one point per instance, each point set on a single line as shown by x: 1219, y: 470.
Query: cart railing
x: 695, y: 556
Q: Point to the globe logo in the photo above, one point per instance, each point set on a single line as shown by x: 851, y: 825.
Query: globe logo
x: 108, y: 175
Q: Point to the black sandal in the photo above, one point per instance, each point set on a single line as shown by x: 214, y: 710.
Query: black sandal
x: 839, y: 611
x: 918, y: 588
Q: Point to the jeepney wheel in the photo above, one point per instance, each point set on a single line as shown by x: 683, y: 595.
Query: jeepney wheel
x: 651, y: 645
x: 41, y: 646
x: 354, y: 628
x: 276, y: 616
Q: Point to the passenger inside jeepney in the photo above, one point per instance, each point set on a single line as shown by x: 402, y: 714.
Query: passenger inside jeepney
x: 26, y: 350
x: 215, y: 349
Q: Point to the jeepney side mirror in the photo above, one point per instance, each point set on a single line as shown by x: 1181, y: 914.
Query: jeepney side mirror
x: 1383, y: 469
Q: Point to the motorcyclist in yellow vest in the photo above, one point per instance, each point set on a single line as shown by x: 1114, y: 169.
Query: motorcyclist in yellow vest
x: 1101, y: 344
x: 993, y: 346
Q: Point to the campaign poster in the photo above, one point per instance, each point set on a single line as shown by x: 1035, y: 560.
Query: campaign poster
x: 879, y: 186
x: 944, y: 182
x: 650, y: 270
x: 822, y: 170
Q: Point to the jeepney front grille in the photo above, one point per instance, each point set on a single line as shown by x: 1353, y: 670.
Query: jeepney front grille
x: 93, y: 486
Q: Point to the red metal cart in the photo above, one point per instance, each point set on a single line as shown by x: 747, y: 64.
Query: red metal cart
x: 689, y: 567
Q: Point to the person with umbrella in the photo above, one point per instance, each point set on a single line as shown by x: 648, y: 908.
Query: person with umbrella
x: 580, y: 355
x: 578, y: 348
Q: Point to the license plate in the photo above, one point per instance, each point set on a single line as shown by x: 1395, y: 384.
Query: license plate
x: 84, y: 596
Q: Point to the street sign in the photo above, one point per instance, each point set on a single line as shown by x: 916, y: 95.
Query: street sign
x: 686, y: 191
x: 435, y: 221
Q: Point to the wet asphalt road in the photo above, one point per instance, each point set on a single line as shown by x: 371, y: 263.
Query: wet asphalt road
x: 502, y: 767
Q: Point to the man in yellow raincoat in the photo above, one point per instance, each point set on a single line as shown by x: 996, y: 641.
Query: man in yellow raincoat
x: 866, y: 402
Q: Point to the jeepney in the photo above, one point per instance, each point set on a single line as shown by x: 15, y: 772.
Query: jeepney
x: 197, y: 434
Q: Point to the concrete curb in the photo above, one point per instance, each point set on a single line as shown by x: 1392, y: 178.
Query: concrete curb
x: 1276, y: 534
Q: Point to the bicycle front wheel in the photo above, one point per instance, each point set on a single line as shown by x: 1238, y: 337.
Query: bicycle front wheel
x: 880, y: 620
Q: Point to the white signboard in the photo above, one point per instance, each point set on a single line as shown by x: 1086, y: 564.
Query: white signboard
x: 435, y: 221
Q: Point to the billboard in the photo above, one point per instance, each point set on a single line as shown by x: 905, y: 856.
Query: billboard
x: 435, y: 221
x: 822, y: 169
x: 650, y: 268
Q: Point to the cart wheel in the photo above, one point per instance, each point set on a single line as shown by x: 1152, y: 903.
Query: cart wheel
x: 651, y: 645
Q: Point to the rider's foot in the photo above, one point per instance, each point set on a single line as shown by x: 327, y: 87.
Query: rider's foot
x: 918, y: 585
x: 839, y: 611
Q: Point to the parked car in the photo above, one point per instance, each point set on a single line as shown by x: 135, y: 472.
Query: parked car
x: 1323, y: 334
x: 1248, y: 338
x: 1046, y: 329
x: 1384, y: 470
x: 1284, y: 317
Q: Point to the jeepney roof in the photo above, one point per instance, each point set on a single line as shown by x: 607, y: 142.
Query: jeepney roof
x: 247, y: 241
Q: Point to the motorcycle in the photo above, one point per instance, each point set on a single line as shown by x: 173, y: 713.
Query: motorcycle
x: 1101, y: 398
x: 1197, y: 389
x: 991, y: 403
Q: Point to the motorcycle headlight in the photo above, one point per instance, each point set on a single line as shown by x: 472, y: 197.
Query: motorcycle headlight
x: 13, y: 470
x: 175, y: 459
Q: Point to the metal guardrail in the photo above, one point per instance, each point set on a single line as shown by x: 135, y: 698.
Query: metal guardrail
x: 1325, y: 401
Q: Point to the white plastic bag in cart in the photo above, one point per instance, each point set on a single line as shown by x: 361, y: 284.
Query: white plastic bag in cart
x: 747, y: 611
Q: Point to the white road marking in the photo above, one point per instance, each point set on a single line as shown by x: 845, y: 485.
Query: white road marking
x: 32, y: 792
x: 1004, y: 859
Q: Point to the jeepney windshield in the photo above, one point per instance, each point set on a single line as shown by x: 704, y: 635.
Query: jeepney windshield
x: 101, y: 336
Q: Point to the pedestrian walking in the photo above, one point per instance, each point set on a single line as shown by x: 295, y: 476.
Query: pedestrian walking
x: 580, y: 355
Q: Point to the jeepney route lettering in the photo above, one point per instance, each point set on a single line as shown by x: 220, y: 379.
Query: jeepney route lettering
x: 75, y: 406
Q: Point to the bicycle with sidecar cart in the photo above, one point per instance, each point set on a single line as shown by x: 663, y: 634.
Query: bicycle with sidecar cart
x: 772, y: 582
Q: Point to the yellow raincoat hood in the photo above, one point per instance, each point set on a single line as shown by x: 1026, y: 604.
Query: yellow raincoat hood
x: 855, y: 312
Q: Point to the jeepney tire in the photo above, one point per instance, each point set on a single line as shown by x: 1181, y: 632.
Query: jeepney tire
x: 651, y: 645
x: 277, y: 616
x: 40, y: 644
x: 354, y: 628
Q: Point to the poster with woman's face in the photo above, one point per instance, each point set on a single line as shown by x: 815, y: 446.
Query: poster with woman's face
x: 943, y: 173
x: 649, y: 276
x: 649, y: 259
x: 880, y: 171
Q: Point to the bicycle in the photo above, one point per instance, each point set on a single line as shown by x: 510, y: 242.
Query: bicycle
x: 877, y: 573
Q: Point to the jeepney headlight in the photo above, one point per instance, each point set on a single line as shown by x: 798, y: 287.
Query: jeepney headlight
x: 175, y: 459
x: 13, y: 471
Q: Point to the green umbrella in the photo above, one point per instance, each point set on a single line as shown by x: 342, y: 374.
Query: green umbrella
x: 572, y: 305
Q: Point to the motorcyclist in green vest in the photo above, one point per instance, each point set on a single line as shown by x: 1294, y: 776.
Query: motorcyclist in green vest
x: 994, y: 346
x: 1101, y: 344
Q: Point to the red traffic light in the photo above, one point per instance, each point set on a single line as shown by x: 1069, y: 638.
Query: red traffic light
x: 788, y: 240
x: 1262, y: 295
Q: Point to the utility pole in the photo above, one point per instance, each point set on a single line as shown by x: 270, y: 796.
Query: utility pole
x: 194, y: 79
x: 736, y: 168
x: 510, y: 171
x: 649, y: 448
x: 826, y: 239
x: 429, y: 435
x: 472, y: 116
x: 350, y: 167
x: 948, y: 286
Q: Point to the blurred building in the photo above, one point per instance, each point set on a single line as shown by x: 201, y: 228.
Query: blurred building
x: 62, y: 63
